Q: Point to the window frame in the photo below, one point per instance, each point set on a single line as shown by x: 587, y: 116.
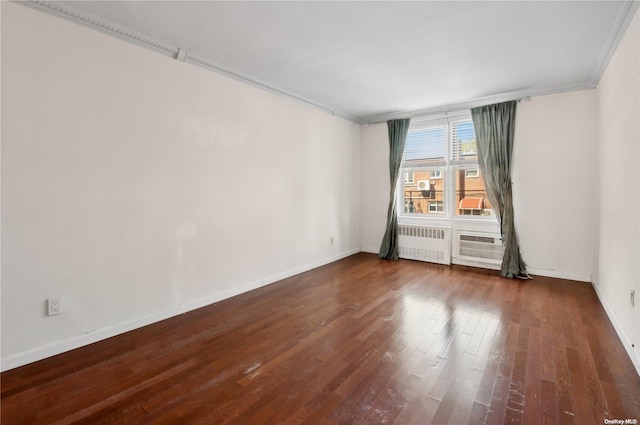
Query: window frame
x: 447, y: 168
x: 436, y: 204
x: 467, y: 176
x: 406, y: 176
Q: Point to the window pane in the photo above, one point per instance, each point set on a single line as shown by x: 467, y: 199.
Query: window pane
x: 425, y: 195
x: 463, y: 141
x: 440, y: 173
x: 436, y: 206
x: 425, y: 146
x: 471, y: 197
x: 408, y: 177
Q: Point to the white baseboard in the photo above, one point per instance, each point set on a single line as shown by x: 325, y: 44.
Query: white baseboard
x: 59, y: 347
x: 626, y: 341
x: 580, y: 277
x: 370, y: 249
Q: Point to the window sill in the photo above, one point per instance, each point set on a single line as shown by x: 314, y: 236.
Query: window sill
x: 435, y: 216
x: 481, y: 224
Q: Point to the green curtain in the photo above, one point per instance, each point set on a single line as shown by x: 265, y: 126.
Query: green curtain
x: 494, y: 126
x: 398, y: 130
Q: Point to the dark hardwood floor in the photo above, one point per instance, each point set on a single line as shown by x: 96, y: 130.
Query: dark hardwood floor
x: 359, y: 341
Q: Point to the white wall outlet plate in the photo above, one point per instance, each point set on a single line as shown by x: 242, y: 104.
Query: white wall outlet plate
x: 54, y: 305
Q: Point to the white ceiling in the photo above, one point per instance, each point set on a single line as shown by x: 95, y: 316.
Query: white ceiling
x: 372, y: 60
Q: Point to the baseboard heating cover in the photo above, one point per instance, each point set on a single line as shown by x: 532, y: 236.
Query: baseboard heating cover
x: 479, y: 247
x: 425, y: 243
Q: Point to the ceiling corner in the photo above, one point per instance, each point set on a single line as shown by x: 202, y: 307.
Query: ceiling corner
x: 627, y: 12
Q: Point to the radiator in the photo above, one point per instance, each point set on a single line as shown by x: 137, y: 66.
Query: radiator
x: 425, y: 243
x: 480, y: 249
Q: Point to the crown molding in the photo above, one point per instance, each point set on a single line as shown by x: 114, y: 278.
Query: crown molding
x: 79, y: 17
x: 473, y: 103
x: 627, y: 12
x: 72, y: 14
x: 215, y: 67
x: 110, y: 28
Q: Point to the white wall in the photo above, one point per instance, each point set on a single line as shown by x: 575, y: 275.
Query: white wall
x: 138, y: 187
x: 553, y: 195
x: 374, y: 201
x: 554, y: 184
x: 374, y: 188
x: 619, y: 187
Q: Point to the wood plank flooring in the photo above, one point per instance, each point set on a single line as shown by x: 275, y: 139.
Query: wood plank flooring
x: 359, y: 341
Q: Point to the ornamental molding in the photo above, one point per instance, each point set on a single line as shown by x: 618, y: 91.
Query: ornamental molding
x: 80, y: 17
x: 83, y: 18
x: 624, y: 18
x: 70, y: 13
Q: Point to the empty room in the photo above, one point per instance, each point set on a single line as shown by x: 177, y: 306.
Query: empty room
x: 248, y: 212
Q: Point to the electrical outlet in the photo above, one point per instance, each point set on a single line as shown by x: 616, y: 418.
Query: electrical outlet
x: 632, y: 298
x: 54, y: 305
x: 331, y: 240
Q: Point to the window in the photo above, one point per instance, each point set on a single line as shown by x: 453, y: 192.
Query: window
x: 443, y: 152
x: 436, y: 207
x: 409, y: 177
